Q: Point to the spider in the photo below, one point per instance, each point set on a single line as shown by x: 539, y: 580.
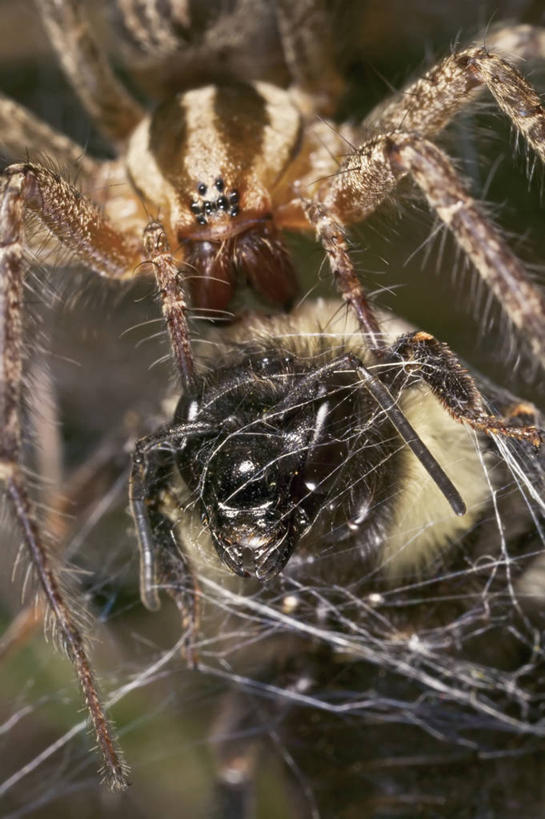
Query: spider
x: 201, y: 191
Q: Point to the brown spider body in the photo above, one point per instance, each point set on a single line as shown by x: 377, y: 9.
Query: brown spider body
x: 225, y: 168
x: 199, y: 194
x: 217, y: 164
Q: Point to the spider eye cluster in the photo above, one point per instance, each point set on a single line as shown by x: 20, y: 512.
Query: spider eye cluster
x: 206, y: 204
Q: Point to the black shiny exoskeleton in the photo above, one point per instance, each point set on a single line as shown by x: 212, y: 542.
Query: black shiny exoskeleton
x: 263, y: 476
x: 263, y: 446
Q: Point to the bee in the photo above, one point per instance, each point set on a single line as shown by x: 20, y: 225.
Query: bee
x: 353, y: 526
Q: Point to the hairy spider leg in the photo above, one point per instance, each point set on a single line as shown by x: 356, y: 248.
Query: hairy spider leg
x: 75, y: 500
x: 80, y: 226
x: 400, y: 147
x: 22, y: 131
x: 107, y: 101
x: 309, y: 55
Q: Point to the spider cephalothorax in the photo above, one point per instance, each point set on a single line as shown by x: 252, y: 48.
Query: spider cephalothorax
x: 211, y: 161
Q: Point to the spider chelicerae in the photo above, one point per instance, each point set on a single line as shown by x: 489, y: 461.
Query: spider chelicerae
x: 200, y: 194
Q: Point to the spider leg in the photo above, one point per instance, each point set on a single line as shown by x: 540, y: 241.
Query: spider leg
x: 22, y: 132
x: 428, y: 105
x: 154, y: 506
x: 72, y: 218
x: 80, y: 498
x: 478, y: 238
x: 331, y: 234
x: 309, y: 55
x: 81, y: 227
x: 173, y: 300
x: 371, y: 173
x: 20, y: 186
x: 106, y: 100
x: 434, y: 363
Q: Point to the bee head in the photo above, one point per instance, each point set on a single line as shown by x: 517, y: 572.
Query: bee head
x: 249, y: 496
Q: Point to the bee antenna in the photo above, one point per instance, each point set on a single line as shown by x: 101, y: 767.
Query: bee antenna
x: 385, y: 400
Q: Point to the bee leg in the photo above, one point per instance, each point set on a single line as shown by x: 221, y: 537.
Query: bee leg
x: 523, y: 412
x: 154, y: 507
x: 249, y: 726
x: 176, y: 574
x: 433, y: 362
x: 236, y: 741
